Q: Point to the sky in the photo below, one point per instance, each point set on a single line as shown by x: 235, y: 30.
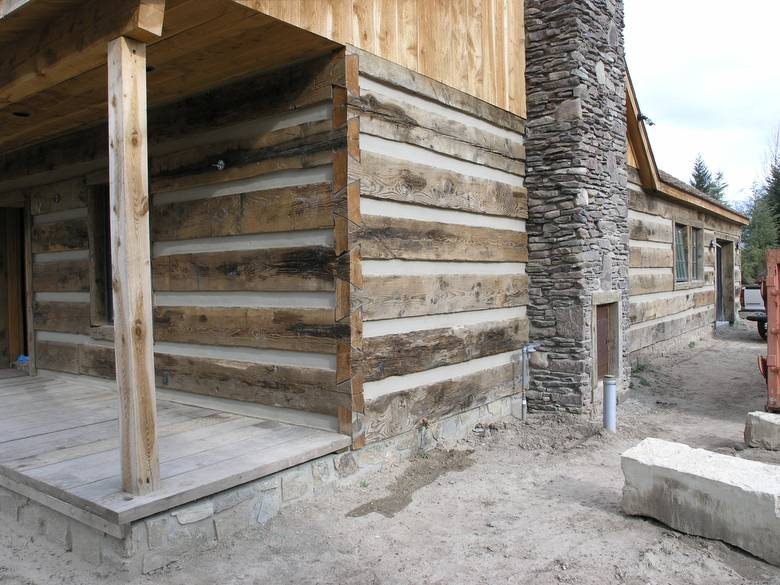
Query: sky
x: 707, y: 72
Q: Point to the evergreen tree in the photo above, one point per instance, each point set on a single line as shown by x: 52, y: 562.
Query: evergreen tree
x: 771, y: 188
x: 759, y: 235
x: 703, y: 179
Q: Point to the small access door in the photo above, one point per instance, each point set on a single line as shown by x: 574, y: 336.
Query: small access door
x: 603, y: 350
x: 719, y: 310
x: 13, y: 341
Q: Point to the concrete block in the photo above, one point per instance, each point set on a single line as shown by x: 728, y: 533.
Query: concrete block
x: 46, y: 522
x: 10, y: 503
x: 706, y: 494
x: 87, y: 542
x: 762, y: 430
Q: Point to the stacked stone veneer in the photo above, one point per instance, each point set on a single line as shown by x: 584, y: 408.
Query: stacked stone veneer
x: 577, y: 189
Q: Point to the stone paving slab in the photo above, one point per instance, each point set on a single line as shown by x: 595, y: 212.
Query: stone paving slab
x: 705, y: 494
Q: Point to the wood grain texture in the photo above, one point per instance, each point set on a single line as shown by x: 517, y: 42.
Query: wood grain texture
x: 650, y: 257
x: 398, y: 180
x: 130, y: 253
x: 295, y: 387
x: 389, y: 237
x: 650, y: 231
x: 311, y: 330
x: 399, y: 412
x: 388, y: 297
x: 376, y: 106
x: 436, y: 38
x: 60, y: 236
x: 71, y: 194
x: 640, y: 284
x: 640, y: 311
x: 415, y: 351
x: 304, y: 207
x: 61, y: 317
x: 275, y: 269
x: 64, y: 276
x: 644, y: 336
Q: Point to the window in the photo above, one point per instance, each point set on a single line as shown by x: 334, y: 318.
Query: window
x: 681, y: 252
x: 101, y: 293
x: 697, y: 254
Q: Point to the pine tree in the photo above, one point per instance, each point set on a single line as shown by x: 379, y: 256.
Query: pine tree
x: 771, y: 189
x: 703, y: 179
x: 759, y: 235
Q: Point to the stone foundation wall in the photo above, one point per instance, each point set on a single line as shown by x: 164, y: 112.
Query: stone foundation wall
x: 158, y: 540
x: 577, y: 189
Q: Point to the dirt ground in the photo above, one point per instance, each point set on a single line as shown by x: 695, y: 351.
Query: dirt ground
x: 534, y: 503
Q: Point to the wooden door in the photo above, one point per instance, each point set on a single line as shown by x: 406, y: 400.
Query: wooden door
x: 602, y: 340
x: 12, y: 322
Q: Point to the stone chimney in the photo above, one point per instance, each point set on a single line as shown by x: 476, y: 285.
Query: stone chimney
x: 578, y: 196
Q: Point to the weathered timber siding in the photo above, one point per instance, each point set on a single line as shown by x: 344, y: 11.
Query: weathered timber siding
x: 476, y: 47
x: 439, y: 246
x: 660, y: 309
x: 242, y: 225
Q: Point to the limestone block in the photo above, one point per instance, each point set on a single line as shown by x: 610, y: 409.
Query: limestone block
x: 87, y: 542
x: 297, y: 483
x: 762, y: 429
x: 268, y: 506
x: 194, y: 512
x: 706, y: 494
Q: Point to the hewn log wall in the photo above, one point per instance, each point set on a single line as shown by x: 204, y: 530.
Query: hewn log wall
x: 243, y: 259
x: 660, y: 309
x: 440, y: 244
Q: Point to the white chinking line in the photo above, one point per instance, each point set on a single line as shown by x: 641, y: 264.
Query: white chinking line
x: 643, y: 271
x: 246, y: 130
x: 249, y: 242
x: 384, y: 208
x: 637, y: 299
x: 444, y: 320
x: 247, y: 300
x: 272, y: 357
x: 290, y: 178
x: 423, y: 156
x: 435, y: 268
x: 67, y: 255
x: 373, y: 390
x: 649, y: 217
x: 428, y: 105
x: 650, y: 245
x: 61, y: 297
x: 78, y: 213
x: 673, y: 317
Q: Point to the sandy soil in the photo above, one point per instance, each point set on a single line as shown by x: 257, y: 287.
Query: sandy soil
x: 534, y: 503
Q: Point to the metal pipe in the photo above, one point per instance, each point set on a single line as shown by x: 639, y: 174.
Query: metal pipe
x: 610, y: 404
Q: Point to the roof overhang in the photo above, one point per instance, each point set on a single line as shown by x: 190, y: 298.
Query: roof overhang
x: 651, y: 179
x: 53, y: 55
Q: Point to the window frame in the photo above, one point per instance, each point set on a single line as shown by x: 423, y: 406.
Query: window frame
x: 695, y: 254
x: 685, y: 230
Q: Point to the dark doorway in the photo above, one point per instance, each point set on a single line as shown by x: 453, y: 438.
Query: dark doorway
x: 13, y: 316
x: 719, y: 312
x: 603, y: 341
x: 725, y: 294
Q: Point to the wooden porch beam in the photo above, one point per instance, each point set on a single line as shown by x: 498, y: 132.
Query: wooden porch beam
x: 74, y: 44
x: 130, y: 254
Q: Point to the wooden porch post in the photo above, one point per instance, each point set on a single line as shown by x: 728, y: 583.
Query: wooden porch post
x: 130, y: 253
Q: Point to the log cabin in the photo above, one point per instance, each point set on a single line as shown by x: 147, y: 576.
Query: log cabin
x: 251, y: 246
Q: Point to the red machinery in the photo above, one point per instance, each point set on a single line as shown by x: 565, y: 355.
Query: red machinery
x: 769, y: 366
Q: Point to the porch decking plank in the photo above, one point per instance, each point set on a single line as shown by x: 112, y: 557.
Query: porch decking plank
x: 59, y: 446
x: 41, y: 444
x: 85, y: 448
x: 94, y: 467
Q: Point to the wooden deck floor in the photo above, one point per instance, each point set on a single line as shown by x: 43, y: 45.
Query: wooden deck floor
x: 59, y: 446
